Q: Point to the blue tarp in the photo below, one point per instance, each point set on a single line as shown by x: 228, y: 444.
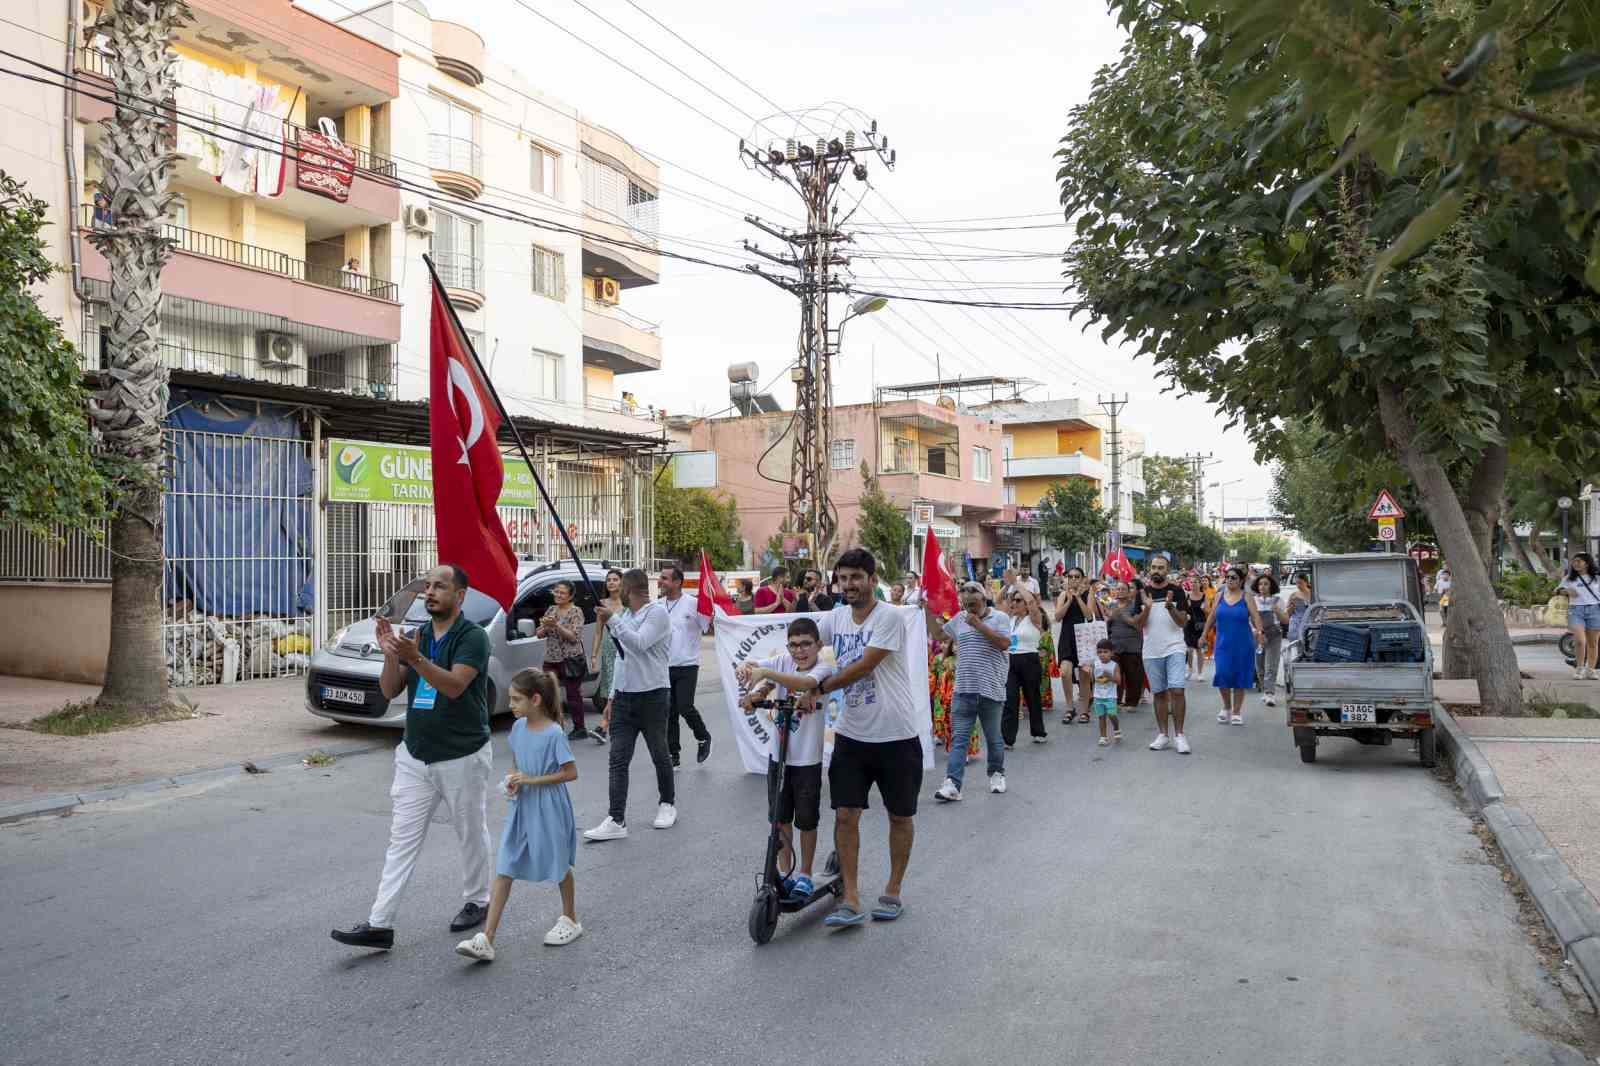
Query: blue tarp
x: 238, y: 508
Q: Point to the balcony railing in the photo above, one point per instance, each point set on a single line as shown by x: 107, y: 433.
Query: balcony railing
x: 613, y: 311
x: 624, y: 407
x: 459, y: 270
x: 381, y: 367
x: 460, y: 154
x: 369, y: 162
x: 213, y: 247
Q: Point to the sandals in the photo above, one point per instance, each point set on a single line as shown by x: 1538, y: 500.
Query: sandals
x: 888, y: 909
x: 844, y: 915
x: 1082, y: 717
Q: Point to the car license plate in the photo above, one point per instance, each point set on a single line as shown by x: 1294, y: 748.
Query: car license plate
x: 344, y: 695
x: 1358, y: 712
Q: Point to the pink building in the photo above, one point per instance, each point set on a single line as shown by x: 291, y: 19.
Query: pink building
x: 937, y: 464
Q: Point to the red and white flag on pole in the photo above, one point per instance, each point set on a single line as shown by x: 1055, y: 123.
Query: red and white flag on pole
x: 712, y: 594
x: 463, y: 423
x: 1118, y: 567
x: 938, y: 584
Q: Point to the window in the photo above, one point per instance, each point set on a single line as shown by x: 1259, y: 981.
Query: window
x: 475, y: 338
x: 842, y: 454
x: 905, y: 456
x: 453, y: 138
x: 546, y: 172
x: 937, y: 462
x: 549, y: 370
x: 549, y: 273
x: 178, y: 212
x: 982, y: 465
x: 458, y: 250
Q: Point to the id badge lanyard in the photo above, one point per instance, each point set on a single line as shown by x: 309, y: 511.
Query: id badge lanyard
x: 426, y: 693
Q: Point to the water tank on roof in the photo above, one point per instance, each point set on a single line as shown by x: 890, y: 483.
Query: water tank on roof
x: 738, y: 372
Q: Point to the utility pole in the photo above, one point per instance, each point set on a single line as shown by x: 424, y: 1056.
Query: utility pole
x: 1113, y: 407
x: 814, y: 172
x: 1197, y: 482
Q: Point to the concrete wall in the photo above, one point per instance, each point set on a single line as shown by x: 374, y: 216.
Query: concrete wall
x: 67, y: 634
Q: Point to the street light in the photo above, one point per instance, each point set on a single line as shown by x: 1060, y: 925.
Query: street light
x: 1222, y: 522
x: 1565, y: 503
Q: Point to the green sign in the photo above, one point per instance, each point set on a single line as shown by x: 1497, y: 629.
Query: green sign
x: 362, y: 472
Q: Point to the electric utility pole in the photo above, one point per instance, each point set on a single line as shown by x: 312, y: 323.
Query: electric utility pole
x: 1113, y: 407
x: 814, y: 171
x: 1197, y: 482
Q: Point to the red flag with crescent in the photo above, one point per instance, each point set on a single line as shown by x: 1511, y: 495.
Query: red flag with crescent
x: 463, y: 427
x: 938, y: 584
x: 712, y: 593
x: 1118, y: 567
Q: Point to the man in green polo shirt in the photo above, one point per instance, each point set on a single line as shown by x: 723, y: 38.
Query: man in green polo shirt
x: 445, y: 756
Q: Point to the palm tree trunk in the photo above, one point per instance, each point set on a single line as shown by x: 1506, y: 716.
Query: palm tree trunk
x: 130, y: 408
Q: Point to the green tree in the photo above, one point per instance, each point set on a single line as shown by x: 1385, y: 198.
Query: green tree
x: 1177, y: 530
x: 1481, y: 337
x: 48, y: 473
x: 1166, y: 485
x: 690, y: 519
x: 1328, y: 485
x: 882, y: 529
x: 1070, y: 516
x: 1256, y: 546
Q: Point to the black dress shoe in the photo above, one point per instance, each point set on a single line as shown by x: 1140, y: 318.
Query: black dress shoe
x: 364, y: 936
x: 705, y: 751
x: 578, y: 733
x: 471, y: 914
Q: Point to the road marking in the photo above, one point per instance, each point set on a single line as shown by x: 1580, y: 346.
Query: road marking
x: 1536, y: 740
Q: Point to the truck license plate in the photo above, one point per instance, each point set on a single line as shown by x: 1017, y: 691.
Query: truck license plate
x: 344, y: 695
x: 1358, y: 712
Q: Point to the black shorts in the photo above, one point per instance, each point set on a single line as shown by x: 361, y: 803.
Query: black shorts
x: 799, y: 803
x: 895, y: 766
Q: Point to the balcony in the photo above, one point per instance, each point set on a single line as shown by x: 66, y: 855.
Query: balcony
x: 458, y: 51
x: 456, y: 164
x: 618, y: 341
x: 462, y: 277
x: 1057, y: 466
x: 229, y: 273
x: 623, y: 415
x: 621, y: 208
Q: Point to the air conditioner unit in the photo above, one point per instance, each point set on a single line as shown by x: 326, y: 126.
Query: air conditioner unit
x: 419, y: 218
x: 280, y: 359
x: 607, y: 291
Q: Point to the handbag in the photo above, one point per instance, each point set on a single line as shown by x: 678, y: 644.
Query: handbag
x: 575, y: 668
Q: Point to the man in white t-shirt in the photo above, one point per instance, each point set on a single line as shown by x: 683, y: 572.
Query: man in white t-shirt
x: 1163, y: 614
x: 875, y: 740
x: 798, y: 803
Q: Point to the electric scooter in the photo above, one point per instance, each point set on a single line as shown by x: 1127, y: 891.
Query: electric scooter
x: 770, y: 901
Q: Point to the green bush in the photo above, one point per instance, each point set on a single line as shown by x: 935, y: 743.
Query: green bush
x: 1524, y: 588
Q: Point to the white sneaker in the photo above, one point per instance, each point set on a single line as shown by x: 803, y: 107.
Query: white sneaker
x: 666, y: 817
x: 565, y: 931
x: 1183, y: 744
x: 610, y: 829
x: 1104, y: 743
x: 478, y: 948
x: 997, y: 783
x: 1161, y: 743
x: 948, y: 792
x: 1238, y: 719
x: 1270, y: 700
x: 1579, y: 674
x: 1040, y: 740
x: 1222, y: 716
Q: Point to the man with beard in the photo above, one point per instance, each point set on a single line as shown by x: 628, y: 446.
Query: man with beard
x: 1164, y: 610
x: 813, y: 597
x: 444, y: 756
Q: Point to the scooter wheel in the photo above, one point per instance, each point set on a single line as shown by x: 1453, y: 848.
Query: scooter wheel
x: 764, y: 914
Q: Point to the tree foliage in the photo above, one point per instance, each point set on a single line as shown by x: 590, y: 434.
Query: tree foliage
x: 690, y: 519
x: 1166, y: 485
x: 1070, y: 516
x: 1256, y: 546
x: 48, y: 472
x: 882, y: 529
x: 1328, y: 485
x: 1177, y: 530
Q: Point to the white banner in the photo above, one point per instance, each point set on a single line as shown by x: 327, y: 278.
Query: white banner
x: 744, y: 638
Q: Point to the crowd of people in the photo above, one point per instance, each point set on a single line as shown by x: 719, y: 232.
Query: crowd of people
x: 999, y: 657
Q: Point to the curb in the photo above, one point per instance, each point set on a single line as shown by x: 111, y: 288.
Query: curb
x: 66, y: 802
x: 1566, y: 905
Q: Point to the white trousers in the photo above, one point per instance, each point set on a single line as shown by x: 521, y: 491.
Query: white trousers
x: 462, y: 785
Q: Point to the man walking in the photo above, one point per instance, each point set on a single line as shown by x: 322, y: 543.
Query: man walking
x: 983, y: 641
x: 875, y: 739
x: 444, y: 756
x: 1164, y: 611
x: 641, y: 695
x: 683, y: 663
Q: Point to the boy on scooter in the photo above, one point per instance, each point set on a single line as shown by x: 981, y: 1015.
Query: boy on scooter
x: 799, y: 803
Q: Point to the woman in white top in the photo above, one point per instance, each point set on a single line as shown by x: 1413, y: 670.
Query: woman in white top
x: 1025, y: 673
x: 1582, y: 586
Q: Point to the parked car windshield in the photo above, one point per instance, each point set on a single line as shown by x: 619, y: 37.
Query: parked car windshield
x: 407, y: 604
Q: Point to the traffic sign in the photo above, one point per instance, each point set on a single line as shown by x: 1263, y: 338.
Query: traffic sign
x: 1386, y: 532
x: 1387, y: 523
x: 1385, y: 506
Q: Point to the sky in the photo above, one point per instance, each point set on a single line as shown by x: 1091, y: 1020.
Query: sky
x: 973, y: 98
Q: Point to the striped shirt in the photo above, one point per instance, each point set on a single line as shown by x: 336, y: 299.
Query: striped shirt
x: 981, y: 667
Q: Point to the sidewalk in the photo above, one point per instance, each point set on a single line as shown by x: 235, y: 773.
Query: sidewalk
x: 249, y: 720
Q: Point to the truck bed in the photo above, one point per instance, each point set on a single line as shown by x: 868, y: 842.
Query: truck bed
x: 1313, y: 684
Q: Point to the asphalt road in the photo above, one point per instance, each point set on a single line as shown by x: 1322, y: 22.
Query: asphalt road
x: 1116, y: 906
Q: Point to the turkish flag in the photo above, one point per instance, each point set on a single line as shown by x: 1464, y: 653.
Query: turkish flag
x: 712, y: 594
x: 938, y: 585
x: 1117, y: 566
x: 463, y: 421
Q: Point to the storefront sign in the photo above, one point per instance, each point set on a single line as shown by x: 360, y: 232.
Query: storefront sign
x: 364, y: 472
x: 1027, y: 516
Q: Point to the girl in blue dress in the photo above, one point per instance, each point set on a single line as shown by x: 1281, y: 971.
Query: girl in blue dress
x: 540, y: 839
x: 1238, y: 629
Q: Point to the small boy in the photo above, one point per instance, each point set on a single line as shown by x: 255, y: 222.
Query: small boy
x: 799, y: 803
x: 1107, y: 676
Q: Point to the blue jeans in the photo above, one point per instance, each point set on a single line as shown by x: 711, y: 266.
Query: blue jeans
x: 966, y: 708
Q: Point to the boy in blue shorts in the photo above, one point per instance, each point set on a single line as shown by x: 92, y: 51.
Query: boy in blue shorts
x: 798, y: 804
x: 1107, y: 676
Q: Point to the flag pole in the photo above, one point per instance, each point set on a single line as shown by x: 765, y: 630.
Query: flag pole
x: 505, y: 417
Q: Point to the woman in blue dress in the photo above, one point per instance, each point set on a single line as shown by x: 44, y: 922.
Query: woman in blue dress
x: 540, y: 839
x: 1238, y: 629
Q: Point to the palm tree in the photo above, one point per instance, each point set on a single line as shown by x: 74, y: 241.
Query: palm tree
x: 130, y: 407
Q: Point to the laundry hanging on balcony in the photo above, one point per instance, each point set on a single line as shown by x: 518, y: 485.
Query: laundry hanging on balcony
x: 327, y: 164
x: 233, y: 126
x: 254, y: 161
